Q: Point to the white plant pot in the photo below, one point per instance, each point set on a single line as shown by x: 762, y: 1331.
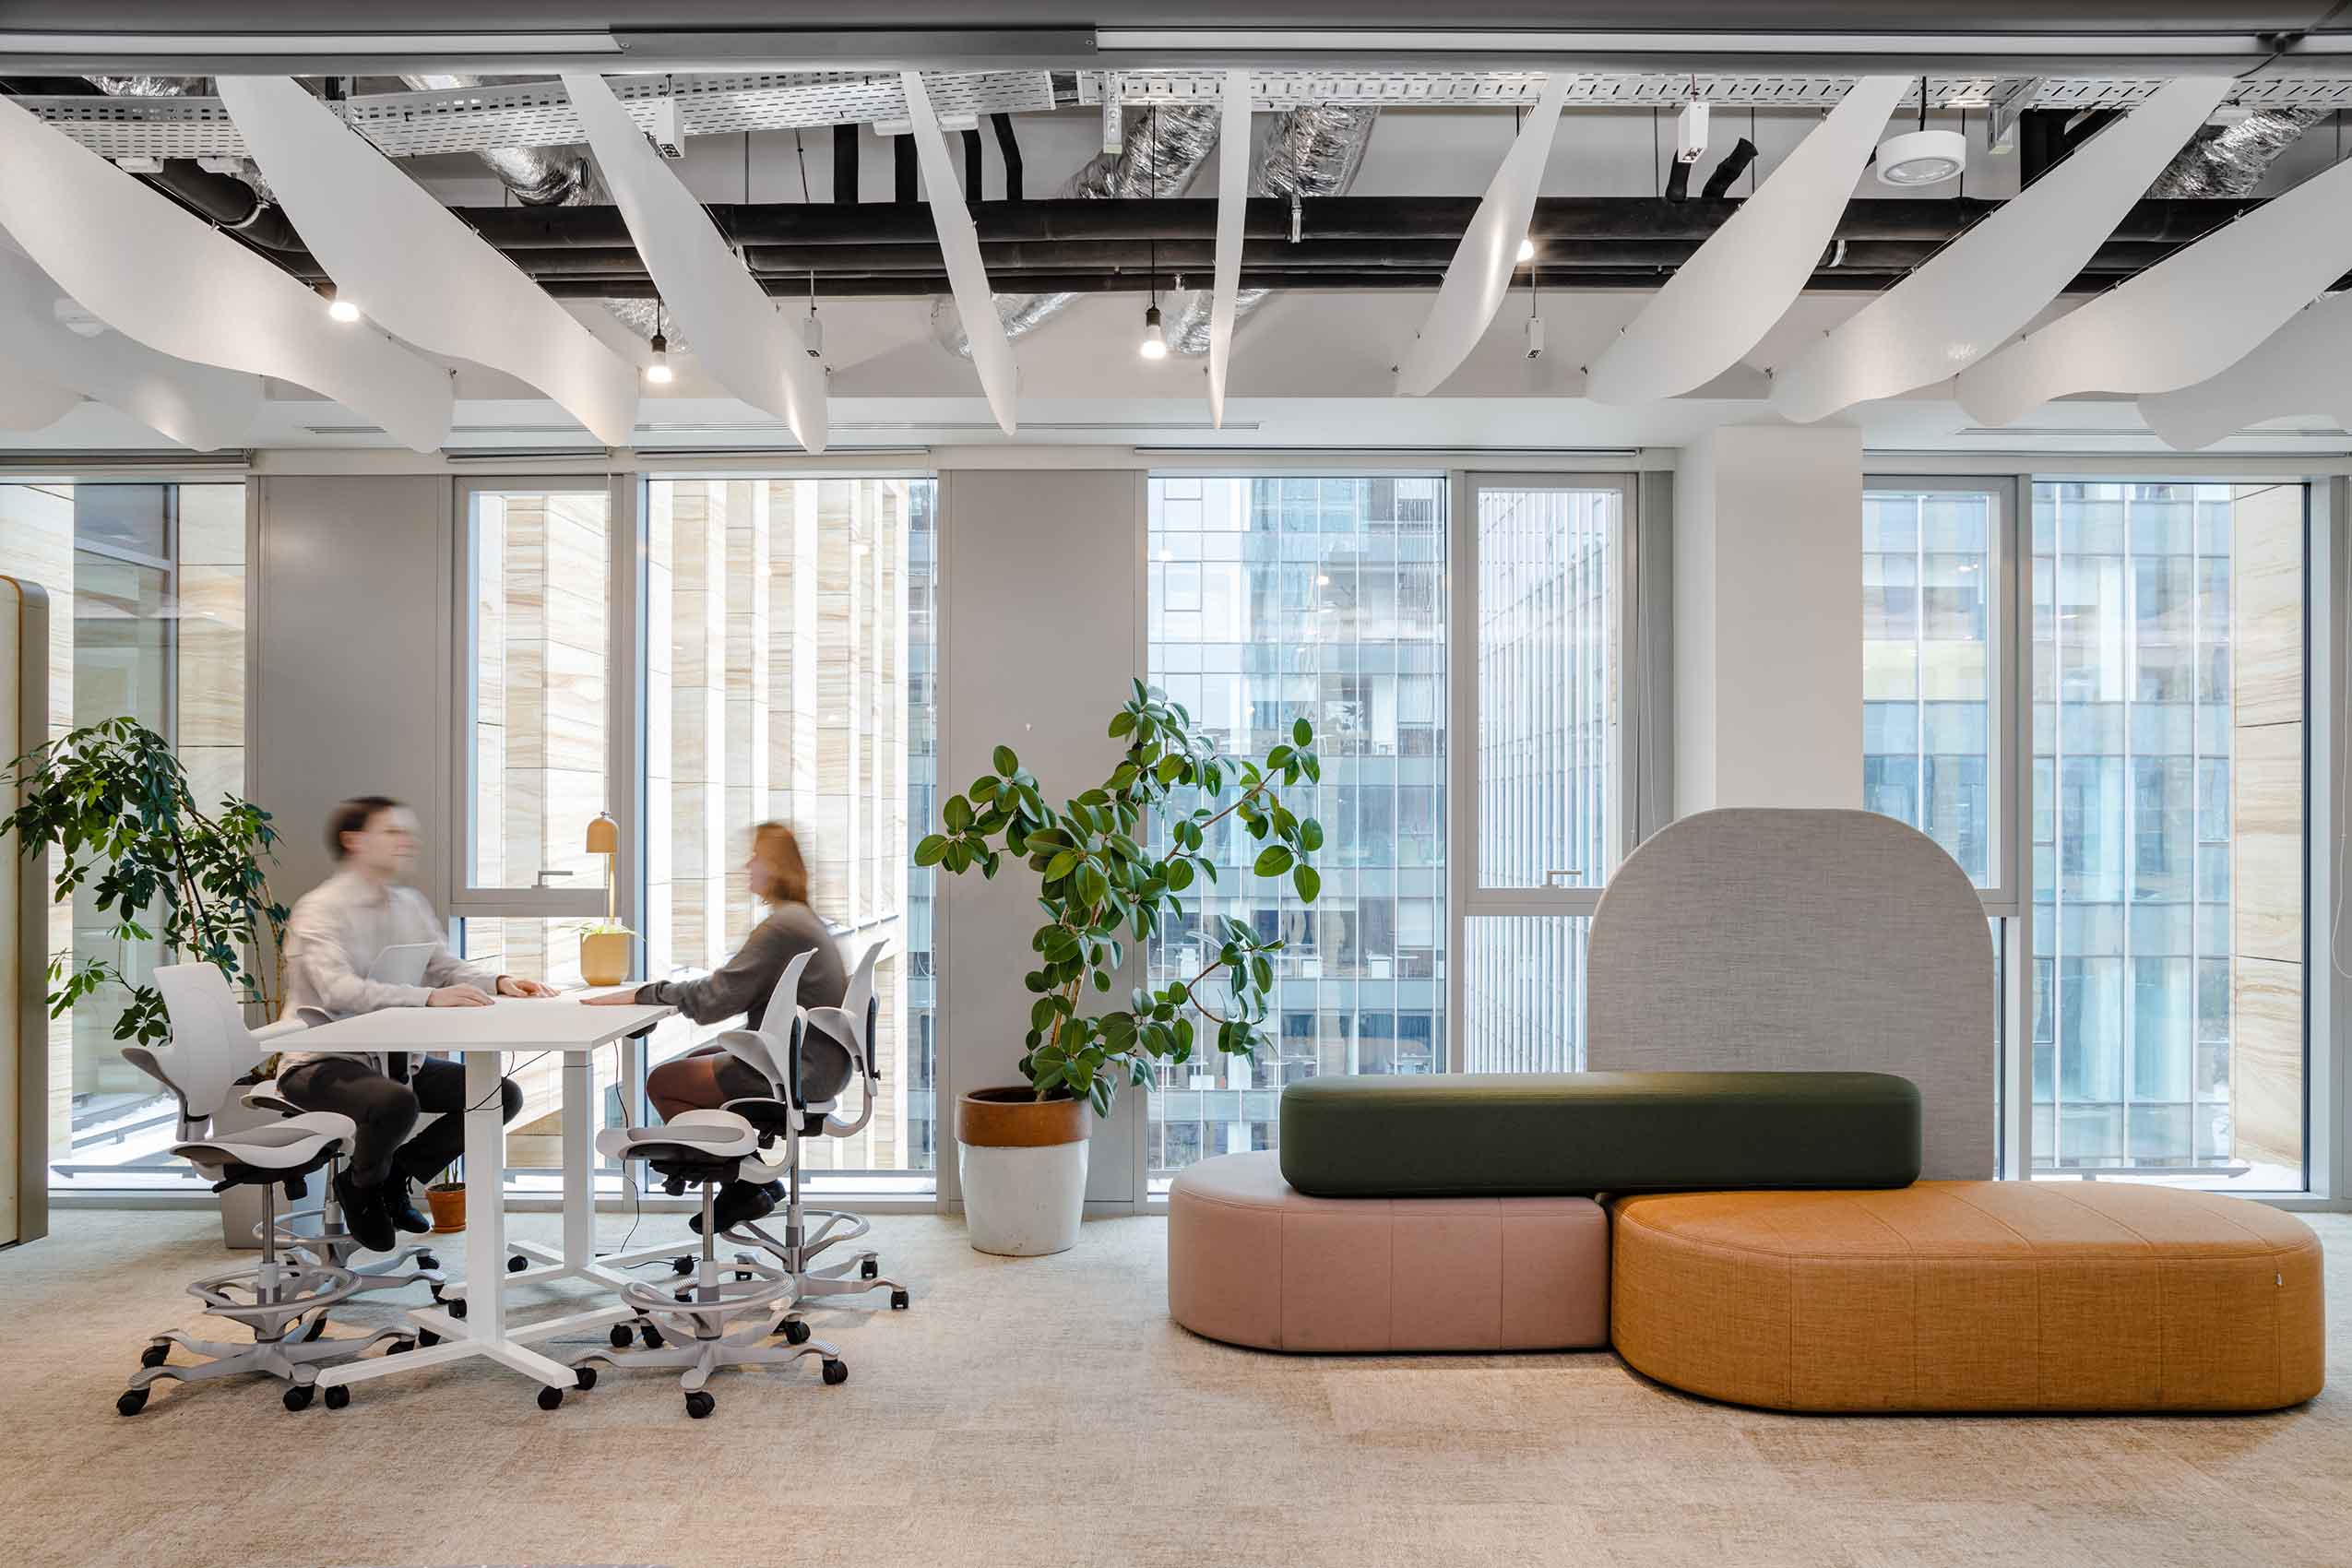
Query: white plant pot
x: 1024, y: 1203
x: 1024, y: 1168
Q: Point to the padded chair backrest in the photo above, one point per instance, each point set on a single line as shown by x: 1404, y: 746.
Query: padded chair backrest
x: 859, y: 1004
x: 1759, y: 939
x: 210, y: 1048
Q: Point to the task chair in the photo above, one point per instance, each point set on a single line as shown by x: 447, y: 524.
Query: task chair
x: 210, y: 1049
x: 809, y: 1059
x: 721, y: 1318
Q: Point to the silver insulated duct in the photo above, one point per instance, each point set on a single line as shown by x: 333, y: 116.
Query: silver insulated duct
x: 2229, y: 160
x: 539, y: 176
x: 1161, y: 150
x: 1313, y: 152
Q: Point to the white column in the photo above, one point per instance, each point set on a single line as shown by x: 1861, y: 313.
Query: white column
x: 1768, y: 619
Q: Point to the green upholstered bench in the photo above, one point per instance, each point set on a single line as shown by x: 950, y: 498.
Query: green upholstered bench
x: 1506, y: 1135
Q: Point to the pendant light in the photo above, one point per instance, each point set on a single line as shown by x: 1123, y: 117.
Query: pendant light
x: 1154, y: 345
x: 659, y: 373
x: 1923, y: 157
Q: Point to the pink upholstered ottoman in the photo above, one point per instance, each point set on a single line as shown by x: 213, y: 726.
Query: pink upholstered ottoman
x: 1252, y: 1262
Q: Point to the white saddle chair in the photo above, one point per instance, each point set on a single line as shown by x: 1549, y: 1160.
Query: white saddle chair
x: 809, y: 1059
x: 721, y: 1318
x: 210, y: 1050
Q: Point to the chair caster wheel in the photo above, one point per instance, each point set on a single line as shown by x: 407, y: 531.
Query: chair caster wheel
x: 620, y: 1336
x: 795, y: 1331
x: 517, y: 1264
x: 155, y: 1355
x: 550, y: 1398
x: 682, y: 1296
x: 425, y: 1336
x: 317, y: 1328
x: 836, y: 1372
x: 297, y: 1397
x: 868, y: 1268
x: 337, y: 1396
x: 457, y: 1308
x: 898, y: 1301
x: 132, y: 1402
x: 699, y: 1404
x: 426, y: 1260
x: 652, y: 1335
x: 586, y: 1376
x: 681, y: 1265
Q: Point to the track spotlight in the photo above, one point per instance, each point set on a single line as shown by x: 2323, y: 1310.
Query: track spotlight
x: 1154, y: 341
x: 1526, y: 251
x: 341, y: 309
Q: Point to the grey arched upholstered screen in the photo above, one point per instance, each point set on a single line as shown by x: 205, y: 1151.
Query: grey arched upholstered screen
x: 1770, y: 939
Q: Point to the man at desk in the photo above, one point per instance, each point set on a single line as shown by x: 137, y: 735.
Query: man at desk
x: 332, y: 940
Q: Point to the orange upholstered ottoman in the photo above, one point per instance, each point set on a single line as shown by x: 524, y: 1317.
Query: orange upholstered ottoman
x: 1971, y: 1296
x: 1252, y: 1262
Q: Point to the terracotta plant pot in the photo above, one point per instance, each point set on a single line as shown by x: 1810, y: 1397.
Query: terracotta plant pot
x: 604, y: 958
x: 447, y: 1201
x: 1023, y: 1165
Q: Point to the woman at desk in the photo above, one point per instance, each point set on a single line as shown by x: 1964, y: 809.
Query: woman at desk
x: 332, y: 937
x: 706, y: 1078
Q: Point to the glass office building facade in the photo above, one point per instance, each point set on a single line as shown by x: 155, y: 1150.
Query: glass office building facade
x: 2161, y: 847
x: 1273, y: 598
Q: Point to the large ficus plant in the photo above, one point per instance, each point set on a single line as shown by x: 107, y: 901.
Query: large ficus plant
x: 115, y: 803
x: 1101, y: 873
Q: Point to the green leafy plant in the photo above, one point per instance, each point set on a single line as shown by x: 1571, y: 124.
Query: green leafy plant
x: 115, y: 803
x: 1096, y: 878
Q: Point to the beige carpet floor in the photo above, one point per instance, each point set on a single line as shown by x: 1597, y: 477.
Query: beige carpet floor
x: 1046, y: 1411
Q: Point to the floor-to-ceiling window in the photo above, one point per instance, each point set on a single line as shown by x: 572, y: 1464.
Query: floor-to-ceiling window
x: 2155, y: 846
x: 789, y: 678
x: 1322, y: 596
x: 146, y: 586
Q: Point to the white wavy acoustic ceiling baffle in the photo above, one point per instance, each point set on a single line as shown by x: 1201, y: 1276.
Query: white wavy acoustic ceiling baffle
x: 27, y: 402
x: 1000, y: 376
x: 417, y: 271
x: 2300, y: 369
x: 1719, y: 304
x: 1479, y: 275
x: 194, y: 405
x: 132, y: 258
x: 739, y: 335
x: 1233, y: 206
x: 1972, y: 294
x: 2191, y: 315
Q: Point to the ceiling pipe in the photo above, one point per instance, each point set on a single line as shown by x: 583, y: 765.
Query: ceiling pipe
x: 1161, y: 149
x: 1312, y: 152
x: 539, y: 176
x: 2230, y: 159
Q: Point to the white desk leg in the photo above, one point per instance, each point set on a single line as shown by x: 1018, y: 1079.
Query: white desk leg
x: 580, y: 1107
x: 485, y: 1196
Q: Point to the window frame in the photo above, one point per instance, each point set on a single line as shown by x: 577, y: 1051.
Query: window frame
x: 1466, y: 899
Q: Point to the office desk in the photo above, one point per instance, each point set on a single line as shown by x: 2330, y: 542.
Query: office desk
x: 484, y: 1038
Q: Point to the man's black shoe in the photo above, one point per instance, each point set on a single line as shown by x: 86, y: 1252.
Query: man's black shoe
x: 401, y: 1207
x: 365, y: 1216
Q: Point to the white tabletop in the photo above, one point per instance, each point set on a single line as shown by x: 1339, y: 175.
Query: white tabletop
x: 512, y: 1023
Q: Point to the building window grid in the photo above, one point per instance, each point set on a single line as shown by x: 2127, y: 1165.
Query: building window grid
x: 1269, y: 598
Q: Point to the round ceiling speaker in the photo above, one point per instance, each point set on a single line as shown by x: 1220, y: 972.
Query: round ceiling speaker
x: 1921, y: 158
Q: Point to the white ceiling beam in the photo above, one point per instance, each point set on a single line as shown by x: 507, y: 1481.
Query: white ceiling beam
x: 1478, y: 277
x: 27, y: 402
x: 737, y: 333
x: 1000, y: 376
x: 1233, y: 208
x: 135, y: 260
x: 2300, y: 369
x: 194, y: 405
x: 1721, y: 302
x: 1971, y: 295
x: 2191, y: 316
x: 413, y: 268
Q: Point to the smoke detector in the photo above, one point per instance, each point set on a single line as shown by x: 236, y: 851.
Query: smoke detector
x: 1921, y: 158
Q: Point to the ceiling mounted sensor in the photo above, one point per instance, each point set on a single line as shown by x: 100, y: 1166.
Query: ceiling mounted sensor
x: 1921, y: 157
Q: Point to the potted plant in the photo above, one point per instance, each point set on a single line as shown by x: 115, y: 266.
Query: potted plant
x: 604, y: 953
x: 1117, y: 858
x: 115, y: 803
x: 447, y: 1198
